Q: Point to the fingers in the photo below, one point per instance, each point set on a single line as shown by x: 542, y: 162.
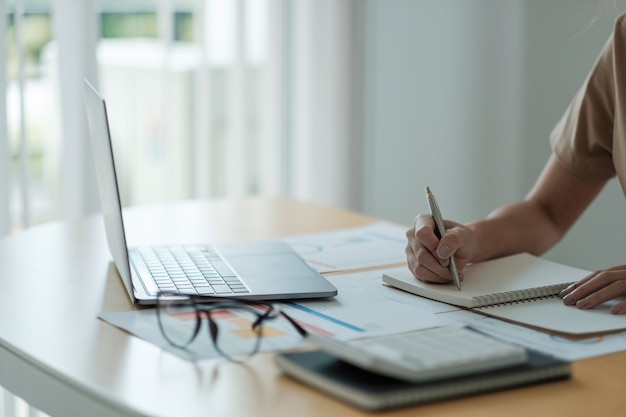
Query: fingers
x: 574, y: 286
x: 421, y: 244
x: 428, y: 257
x: 422, y: 234
x: 427, y: 268
x: 453, y: 241
x: 598, y: 288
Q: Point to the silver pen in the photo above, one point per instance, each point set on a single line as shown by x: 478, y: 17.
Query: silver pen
x: 441, y: 229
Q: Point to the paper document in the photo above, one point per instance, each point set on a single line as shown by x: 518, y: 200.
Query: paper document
x: 377, y: 244
x: 363, y: 307
x: 370, y: 308
x: 550, y: 343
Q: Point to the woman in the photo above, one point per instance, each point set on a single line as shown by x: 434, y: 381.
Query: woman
x: 588, y: 149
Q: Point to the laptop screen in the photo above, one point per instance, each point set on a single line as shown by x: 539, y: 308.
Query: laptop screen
x: 107, y: 183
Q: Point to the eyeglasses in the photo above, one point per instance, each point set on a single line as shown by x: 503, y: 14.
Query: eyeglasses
x: 240, y: 321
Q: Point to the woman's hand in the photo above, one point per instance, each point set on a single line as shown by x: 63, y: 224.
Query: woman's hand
x: 428, y: 256
x: 597, y: 288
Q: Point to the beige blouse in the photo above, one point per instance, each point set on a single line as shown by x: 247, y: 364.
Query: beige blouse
x: 590, y: 138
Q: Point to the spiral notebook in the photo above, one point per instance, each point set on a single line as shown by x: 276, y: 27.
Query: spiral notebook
x: 520, y: 288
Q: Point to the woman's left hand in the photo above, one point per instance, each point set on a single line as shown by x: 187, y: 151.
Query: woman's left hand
x: 597, y: 288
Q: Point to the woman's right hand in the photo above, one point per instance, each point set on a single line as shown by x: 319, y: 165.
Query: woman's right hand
x: 428, y: 256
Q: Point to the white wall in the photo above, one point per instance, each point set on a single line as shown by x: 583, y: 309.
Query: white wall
x: 462, y: 95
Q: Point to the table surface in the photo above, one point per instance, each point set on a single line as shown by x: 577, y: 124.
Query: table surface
x: 54, y: 352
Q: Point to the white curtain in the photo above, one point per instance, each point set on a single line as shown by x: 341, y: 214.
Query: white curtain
x: 325, y: 155
x: 280, y: 121
x: 75, y: 31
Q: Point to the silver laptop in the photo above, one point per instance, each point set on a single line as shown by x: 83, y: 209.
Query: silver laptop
x: 257, y: 270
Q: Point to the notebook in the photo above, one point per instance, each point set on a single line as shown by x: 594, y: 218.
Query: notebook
x: 374, y: 392
x: 520, y: 288
x: 253, y: 270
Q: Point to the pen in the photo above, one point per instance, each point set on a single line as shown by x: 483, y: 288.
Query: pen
x: 441, y: 229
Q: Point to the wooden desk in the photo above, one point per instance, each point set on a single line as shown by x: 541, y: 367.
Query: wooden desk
x: 55, y: 353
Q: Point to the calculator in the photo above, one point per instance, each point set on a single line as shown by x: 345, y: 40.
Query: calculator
x: 426, y: 354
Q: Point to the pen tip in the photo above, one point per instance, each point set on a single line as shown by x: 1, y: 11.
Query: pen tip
x: 427, y: 189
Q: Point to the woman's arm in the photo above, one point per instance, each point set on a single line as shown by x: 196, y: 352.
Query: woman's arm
x: 531, y: 225
x: 538, y: 222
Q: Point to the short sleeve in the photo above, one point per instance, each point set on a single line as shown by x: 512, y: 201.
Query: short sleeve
x: 583, y: 139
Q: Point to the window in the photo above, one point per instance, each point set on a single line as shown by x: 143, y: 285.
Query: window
x: 183, y: 82
x: 207, y: 98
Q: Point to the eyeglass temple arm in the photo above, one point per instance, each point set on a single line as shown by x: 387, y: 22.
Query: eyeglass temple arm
x: 301, y: 330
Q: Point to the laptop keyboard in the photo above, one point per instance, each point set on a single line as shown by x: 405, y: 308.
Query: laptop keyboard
x: 195, y: 270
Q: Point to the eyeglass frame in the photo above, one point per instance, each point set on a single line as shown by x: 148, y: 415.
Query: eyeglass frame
x: 206, y: 304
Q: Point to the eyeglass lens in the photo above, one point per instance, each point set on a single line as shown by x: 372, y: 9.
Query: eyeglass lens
x: 229, y: 324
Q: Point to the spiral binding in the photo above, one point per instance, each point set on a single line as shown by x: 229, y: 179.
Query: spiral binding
x: 520, y: 296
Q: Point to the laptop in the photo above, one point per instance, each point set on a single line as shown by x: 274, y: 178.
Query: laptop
x: 261, y: 270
